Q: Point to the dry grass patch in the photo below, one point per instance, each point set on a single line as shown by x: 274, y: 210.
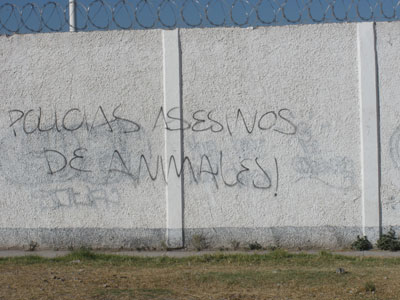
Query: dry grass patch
x: 278, y: 275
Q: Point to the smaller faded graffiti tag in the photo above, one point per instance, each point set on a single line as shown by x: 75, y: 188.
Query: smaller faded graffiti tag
x: 394, y: 147
x: 74, y: 197
x: 337, y: 172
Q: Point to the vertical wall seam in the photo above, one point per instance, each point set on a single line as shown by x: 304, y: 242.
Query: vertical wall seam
x: 182, y: 139
x: 369, y: 119
x: 378, y: 108
x: 173, y: 138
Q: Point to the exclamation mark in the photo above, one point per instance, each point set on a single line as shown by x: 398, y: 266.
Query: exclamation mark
x: 277, y: 177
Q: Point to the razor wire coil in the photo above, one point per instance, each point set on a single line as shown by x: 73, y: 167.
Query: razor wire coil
x: 53, y: 16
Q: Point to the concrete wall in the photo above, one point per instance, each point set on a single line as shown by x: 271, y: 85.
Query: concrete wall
x: 82, y: 108
x: 388, y: 45
x: 302, y: 183
x: 268, y: 123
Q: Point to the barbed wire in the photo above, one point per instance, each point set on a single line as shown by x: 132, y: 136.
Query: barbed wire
x: 53, y: 16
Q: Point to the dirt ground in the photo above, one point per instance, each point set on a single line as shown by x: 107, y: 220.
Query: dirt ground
x: 269, y: 276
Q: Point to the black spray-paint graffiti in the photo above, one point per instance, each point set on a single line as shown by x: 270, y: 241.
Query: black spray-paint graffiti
x: 205, y: 121
x: 53, y: 151
x: 75, y: 119
x: 58, y: 162
x: 337, y: 172
x: 70, y: 121
x: 24, y: 158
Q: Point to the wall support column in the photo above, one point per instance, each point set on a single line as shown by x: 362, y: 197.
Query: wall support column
x: 173, y: 139
x: 369, y: 116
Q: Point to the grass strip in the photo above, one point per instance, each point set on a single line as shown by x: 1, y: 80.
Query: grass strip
x: 276, y: 257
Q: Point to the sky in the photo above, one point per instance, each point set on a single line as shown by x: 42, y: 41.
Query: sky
x: 23, y: 16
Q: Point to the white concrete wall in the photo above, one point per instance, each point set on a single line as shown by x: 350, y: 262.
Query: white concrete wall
x: 388, y: 46
x: 105, y: 89
x: 267, y: 122
x: 296, y: 88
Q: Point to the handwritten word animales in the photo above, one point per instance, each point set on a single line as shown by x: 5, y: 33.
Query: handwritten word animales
x: 246, y: 172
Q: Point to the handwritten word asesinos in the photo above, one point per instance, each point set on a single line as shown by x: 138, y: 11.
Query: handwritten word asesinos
x: 204, y: 120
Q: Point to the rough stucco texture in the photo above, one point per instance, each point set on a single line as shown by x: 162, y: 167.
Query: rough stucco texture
x: 271, y: 137
x: 388, y: 45
x: 281, y: 133
x: 77, y: 113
